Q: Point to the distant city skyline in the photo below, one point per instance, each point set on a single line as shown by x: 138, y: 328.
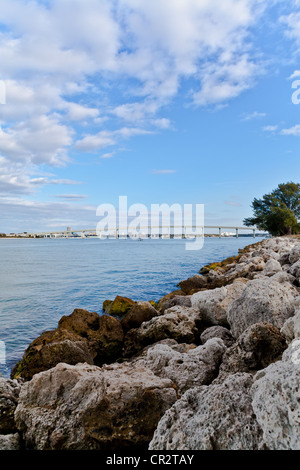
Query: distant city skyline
x: 168, y: 101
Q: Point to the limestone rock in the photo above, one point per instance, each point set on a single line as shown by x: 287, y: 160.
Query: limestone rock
x: 10, y: 442
x: 104, y: 334
x: 171, y: 299
x: 138, y: 314
x: 276, y: 398
x: 179, y: 323
x: 48, y: 350
x: 194, y: 367
x: 271, y: 267
x: 119, y: 306
x: 257, y: 347
x: 214, y: 417
x: 294, y: 254
x: 291, y: 328
x: 85, y: 407
x: 80, y: 337
x: 294, y: 270
x: 213, y: 304
x: 217, y: 332
x: 262, y: 300
x: 193, y: 284
x: 9, y: 393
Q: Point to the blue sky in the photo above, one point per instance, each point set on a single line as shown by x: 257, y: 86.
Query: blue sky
x: 168, y: 101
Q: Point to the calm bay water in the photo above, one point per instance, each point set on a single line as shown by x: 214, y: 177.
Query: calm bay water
x: 41, y: 280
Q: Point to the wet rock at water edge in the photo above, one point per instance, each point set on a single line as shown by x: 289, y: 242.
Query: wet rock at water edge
x: 80, y: 337
x: 120, y: 306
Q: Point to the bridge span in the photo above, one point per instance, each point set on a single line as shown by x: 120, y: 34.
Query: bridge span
x: 144, y: 232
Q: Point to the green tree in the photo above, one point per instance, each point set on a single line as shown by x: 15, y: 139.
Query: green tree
x: 277, y: 212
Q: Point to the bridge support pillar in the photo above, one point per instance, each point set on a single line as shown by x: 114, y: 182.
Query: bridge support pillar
x: 254, y: 233
x: 237, y: 233
x: 220, y: 232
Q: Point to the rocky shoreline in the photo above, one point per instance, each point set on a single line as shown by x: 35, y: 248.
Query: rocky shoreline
x: 214, y: 365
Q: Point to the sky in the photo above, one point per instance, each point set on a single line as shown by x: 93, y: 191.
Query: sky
x: 168, y: 101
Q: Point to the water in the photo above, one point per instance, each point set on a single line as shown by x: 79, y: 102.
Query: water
x: 43, y: 279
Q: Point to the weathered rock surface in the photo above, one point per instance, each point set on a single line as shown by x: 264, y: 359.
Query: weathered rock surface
x: 194, y: 367
x: 104, y: 334
x: 138, y: 314
x: 276, y: 398
x: 169, y: 301
x: 81, y: 337
x: 257, y: 347
x: 9, y: 394
x: 48, y: 350
x: 263, y: 300
x: 271, y: 267
x: 179, y: 323
x: 214, y: 417
x: 10, y: 442
x: 291, y: 328
x: 119, y: 306
x: 217, y: 332
x: 214, y: 304
x: 86, y: 407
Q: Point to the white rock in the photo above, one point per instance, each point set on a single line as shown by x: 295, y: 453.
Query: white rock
x: 295, y: 254
x: 291, y: 328
x: 213, y: 304
x: 276, y: 401
x: 262, y: 300
x: 195, y: 367
x: 271, y: 267
x: 295, y: 269
x: 214, y: 417
x: 84, y: 407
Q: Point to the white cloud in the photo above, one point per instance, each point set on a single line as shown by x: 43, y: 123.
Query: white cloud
x: 108, y: 155
x: 295, y: 131
x: 61, y: 60
x: 103, y: 139
x: 270, y: 128
x: 253, y: 115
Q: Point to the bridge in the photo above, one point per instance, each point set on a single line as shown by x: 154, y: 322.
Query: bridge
x: 155, y: 232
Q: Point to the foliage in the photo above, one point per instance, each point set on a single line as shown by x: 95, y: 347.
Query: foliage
x: 277, y: 212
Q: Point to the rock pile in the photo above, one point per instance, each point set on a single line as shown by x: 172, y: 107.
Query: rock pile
x: 213, y: 365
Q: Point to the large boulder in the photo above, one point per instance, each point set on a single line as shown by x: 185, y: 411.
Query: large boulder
x: 50, y: 348
x: 214, y: 417
x: 80, y: 337
x: 257, y: 347
x: 138, y: 314
x: 104, y: 334
x: 262, y: 300
x: 85, y: 407
x: 193, y: 367
x: 179, y: 323
x: 9, y: 394
x: 213, y: 304
x: 276, y: 398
